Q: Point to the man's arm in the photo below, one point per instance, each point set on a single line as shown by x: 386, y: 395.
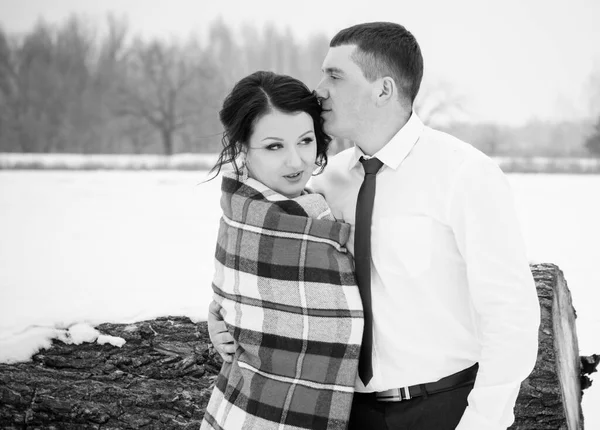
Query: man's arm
x: 482, y: 215
x: 219, y: 335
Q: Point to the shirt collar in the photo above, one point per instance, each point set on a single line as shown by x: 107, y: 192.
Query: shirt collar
x: 397, y: 149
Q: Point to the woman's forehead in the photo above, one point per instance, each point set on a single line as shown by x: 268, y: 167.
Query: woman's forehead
x: 283, y: 125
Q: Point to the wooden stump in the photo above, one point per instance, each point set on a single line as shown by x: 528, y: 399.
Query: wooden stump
x: 551, y: 397
x: 162, y: 377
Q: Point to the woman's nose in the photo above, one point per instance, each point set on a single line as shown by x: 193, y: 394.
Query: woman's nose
x: 293, y: 158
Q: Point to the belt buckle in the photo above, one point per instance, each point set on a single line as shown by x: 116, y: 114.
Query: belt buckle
x: 393, y: 395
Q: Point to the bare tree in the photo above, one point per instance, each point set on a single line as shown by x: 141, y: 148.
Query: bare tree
x: 225, y: 53
x: 33, y: 90
x: 43, y: 76
x: 64, y: 88
x: 8, y: 93
x: 160, y: 79
x: 592, y: 88
x: 312, y: 53
x: 592, y: 143
x: 438, y: 103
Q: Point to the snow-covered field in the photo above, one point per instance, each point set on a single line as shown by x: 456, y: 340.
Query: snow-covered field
x: 44, y: 161
x: 89, y: 247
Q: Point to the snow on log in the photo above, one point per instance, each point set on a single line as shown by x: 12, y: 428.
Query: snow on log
x: 161, y: 378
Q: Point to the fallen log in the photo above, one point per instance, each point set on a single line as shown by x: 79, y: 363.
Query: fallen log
x: 162, y: 377
x: 551, y: 397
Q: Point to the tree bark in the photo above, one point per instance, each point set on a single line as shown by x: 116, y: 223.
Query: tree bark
x: 162, y: 377
x: 167, y: 140
x: 551, y: 397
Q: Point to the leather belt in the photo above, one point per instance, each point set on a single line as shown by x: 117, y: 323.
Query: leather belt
x: 459, y: 379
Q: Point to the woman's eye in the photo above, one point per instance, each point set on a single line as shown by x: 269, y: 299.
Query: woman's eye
x: 307, y: 141
x: 274, y: 146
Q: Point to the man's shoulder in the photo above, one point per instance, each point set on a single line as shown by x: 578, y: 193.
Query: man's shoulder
x: 450, y: 148
x: 446, y: 142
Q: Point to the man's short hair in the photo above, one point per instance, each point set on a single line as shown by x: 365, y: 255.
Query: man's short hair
x: 385, y: 49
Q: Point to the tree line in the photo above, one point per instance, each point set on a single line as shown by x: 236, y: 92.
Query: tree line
x: 65, y: 88
x: 75, y: 87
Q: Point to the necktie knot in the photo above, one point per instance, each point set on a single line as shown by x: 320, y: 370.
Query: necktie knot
x: 371, y: 165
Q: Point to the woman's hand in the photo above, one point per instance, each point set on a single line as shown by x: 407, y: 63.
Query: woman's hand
x: 218, y: 333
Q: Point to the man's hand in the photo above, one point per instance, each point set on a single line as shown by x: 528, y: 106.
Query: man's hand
x: 219, y: 335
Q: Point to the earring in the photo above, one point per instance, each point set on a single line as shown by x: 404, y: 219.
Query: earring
x: 241, y: 164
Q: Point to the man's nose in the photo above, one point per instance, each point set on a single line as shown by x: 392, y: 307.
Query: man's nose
x: 321, y: 91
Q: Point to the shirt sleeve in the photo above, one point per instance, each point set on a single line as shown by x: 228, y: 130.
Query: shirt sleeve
x: 482, y: 215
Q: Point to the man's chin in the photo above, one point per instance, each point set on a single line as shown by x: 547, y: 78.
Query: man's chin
x: 334, y: 133
x: 330, y: 130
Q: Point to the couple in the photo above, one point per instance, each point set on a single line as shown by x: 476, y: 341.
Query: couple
x: 434, y: 325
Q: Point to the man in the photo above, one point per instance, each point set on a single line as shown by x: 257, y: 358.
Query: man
x: 448, y: 295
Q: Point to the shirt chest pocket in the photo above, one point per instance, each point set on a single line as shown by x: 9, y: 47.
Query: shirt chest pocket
x: 403, y: 243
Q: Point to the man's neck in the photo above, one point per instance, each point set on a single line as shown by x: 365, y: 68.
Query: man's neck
x: 381, y: 133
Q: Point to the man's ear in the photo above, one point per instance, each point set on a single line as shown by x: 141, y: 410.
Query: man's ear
x: 385, y: 91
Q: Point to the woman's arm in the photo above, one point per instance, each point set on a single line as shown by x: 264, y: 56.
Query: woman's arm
x: 218, y: 333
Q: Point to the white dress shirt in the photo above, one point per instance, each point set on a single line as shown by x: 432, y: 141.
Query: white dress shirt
x: 450, y: 282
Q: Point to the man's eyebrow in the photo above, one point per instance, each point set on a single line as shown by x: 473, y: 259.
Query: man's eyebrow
x: 333, y: 70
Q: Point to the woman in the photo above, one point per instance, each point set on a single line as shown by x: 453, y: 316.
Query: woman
x: 283, y: 281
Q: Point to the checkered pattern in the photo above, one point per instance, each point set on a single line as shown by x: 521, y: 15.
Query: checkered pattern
x: 286, y: 286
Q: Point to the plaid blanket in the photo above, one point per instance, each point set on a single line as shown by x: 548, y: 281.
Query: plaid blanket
x: 287, y: 292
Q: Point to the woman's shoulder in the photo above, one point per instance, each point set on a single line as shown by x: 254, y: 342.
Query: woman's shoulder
x: 315, y: 205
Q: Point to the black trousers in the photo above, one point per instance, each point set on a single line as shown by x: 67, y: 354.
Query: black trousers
x: 439, y: 411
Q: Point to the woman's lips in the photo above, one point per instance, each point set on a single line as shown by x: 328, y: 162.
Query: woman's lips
x: 294, y: 177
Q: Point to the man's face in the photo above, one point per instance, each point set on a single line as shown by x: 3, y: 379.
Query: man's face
x: 347, y: 96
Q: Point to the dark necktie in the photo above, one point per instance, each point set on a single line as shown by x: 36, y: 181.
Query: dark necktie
x: 362, y: 261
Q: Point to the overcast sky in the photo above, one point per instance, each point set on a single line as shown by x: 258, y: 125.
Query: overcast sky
x: 512, y: 60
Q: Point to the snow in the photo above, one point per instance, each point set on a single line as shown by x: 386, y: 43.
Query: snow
x: 81, y: 248
x: 17, y: 347
x: 196, y: 162
x: 99, y: 247
x: 79, y: 333
x: 106, y: 161
x: 113, y: 340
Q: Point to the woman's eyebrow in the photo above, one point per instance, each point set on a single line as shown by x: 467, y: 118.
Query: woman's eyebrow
x: 279, y: 139
x: 305, y: 133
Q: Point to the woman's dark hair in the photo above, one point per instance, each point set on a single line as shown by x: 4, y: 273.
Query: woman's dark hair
x: 257, y: 95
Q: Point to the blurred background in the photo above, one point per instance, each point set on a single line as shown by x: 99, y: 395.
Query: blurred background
x: 511, y: 77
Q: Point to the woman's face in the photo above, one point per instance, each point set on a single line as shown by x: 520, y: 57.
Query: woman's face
x: 282, y: 151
